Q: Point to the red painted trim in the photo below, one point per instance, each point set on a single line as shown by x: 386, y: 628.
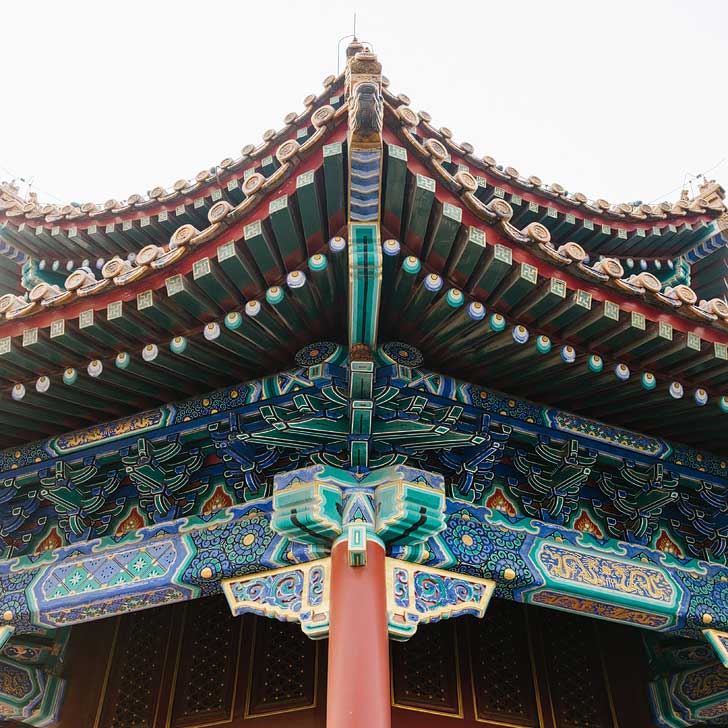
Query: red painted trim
x: 530, y: 195
x: 545, y: 269
x: 156, y: 280
x: 358, y: 672
x: 136, y: 213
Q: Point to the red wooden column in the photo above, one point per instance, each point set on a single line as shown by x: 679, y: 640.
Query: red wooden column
x: 358, y: 679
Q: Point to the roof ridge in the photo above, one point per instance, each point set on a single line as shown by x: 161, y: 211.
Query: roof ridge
x: 709, y: 199
x: 14, y: 204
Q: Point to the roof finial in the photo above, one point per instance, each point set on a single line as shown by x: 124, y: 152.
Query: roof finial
x: 363, y: 91
x: 353, y: 48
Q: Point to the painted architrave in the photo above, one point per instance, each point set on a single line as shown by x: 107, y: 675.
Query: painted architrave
x: 577, y: 579
x: 156, y: 565
x: 189, y: 557
x: 603, y: 578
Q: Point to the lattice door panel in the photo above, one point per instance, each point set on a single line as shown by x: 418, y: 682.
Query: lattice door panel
x: 518, y: 667
x: 426, y: 671
x: 207, y: 667
x: 501, y: 666
x: 132, y: 695
x: 194, y: 665
x: 283, y: 670
x: 576, y: 677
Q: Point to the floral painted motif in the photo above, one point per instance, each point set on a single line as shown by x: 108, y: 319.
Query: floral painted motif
x: 230, y: 550
x: 468, y: 541
x: 497, y: 501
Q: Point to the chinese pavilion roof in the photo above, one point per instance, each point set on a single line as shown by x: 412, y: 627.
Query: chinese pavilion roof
x: 499, y: 278
x: 196, y: 392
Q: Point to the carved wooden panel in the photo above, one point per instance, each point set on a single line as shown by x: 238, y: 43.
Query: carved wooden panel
x: 132, y: 695
x: 207, y: 664
x: 501, y: 665
x: 282, y: 670
x: 194, y: 665
x: 426, y: 671
x: 575, y: 672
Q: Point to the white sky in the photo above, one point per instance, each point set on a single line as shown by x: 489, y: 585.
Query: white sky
x: 615, y: 99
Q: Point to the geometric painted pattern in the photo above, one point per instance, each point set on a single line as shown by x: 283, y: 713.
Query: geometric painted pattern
x: 153, y: 565
x: 129, y: 566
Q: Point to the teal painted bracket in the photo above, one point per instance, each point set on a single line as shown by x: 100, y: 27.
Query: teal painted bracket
x: 397, y: 504
x: 393, y: 505
x: 719, y: 642
x: 365, y: 275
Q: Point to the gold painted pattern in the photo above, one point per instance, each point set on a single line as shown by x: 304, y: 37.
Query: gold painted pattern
x: 604, y: 573
x: 600, y: 609
x: 83, y: 438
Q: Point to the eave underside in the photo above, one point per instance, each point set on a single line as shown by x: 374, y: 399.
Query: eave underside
x: 235, y: 300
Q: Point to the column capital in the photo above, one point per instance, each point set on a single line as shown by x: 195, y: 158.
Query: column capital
x: 398, y: 504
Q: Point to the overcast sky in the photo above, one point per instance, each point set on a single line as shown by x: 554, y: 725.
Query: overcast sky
x: 615, y: 99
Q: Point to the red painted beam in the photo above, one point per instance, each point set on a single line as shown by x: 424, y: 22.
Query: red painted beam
x: 358, y: 670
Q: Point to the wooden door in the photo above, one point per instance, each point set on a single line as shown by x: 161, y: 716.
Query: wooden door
x: 194, y: 665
